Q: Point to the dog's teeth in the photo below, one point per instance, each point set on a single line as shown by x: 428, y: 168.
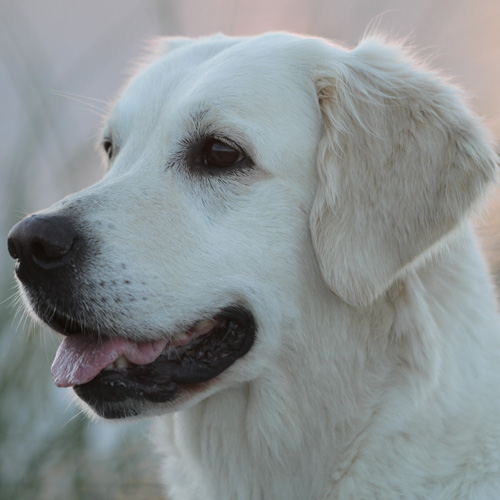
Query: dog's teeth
x: 202, y: 324
x: 201, y: 328
x: 121, y: 362
x: 179, y: 337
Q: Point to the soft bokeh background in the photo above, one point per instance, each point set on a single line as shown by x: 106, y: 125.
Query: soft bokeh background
x: 61, y: 62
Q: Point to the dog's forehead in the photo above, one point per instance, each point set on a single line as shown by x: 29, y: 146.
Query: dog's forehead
x: 245, y: 75
x: 257, y: 92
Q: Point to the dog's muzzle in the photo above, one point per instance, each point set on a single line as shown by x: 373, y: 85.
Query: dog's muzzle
x: 116, y: 376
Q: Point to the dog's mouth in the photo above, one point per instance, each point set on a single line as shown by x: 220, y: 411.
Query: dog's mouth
x: 117, y: 377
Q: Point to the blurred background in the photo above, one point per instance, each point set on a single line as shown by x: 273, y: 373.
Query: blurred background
x: 61, y: 63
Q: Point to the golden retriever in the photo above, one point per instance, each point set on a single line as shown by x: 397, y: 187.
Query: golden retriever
x: 278, y: 264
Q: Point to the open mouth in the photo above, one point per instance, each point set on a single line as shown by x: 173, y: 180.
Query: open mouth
x: 116, y: 376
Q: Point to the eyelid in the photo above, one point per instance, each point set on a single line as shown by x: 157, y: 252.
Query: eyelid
x: 109, y: 137
x: 228, y: 142
x: 105, y: 142
x: 190, y: 141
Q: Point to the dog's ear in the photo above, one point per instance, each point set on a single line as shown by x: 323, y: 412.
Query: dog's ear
x: 401, y: 162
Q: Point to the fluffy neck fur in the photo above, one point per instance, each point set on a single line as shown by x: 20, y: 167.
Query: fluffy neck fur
x: 370, y: 385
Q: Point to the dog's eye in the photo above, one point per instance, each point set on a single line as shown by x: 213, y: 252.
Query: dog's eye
x: 219, y: 154
x: 107, y: 145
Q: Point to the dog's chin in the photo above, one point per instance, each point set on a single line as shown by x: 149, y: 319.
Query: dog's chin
x: 124, y: 390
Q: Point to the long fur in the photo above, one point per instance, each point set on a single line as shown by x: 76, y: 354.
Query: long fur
x: 375, y: 372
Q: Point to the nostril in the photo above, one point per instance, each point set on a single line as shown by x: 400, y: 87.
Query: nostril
x: 12, y: 249
x: 47, y: 252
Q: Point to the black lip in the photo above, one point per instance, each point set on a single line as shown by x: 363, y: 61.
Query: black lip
x: 123, y: 392
x: 63, y: 324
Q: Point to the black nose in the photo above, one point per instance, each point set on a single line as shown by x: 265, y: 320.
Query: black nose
x: 41, y: 243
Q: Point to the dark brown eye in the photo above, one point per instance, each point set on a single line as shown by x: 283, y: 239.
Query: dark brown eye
x: 219, y: 154
x: 108, y: 148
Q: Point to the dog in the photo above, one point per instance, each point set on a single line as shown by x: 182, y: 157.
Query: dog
x: 279, y: 265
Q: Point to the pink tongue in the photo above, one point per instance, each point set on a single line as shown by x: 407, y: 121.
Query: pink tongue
x: 79, y: 358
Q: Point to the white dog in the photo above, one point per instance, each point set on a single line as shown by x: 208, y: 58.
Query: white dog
x: 279, y: 254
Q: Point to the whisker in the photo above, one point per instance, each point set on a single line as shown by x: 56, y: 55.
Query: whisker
x: 14, y: 299
x: 88, y: 106
x: 78, y: 414
x: 73, y: 95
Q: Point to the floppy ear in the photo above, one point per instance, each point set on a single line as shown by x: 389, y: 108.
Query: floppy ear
x: 401, y: 162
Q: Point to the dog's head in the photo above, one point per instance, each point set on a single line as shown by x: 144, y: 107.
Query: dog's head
x: 246, y: 177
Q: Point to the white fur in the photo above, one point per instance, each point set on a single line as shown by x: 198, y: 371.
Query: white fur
x: 375, y: 373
